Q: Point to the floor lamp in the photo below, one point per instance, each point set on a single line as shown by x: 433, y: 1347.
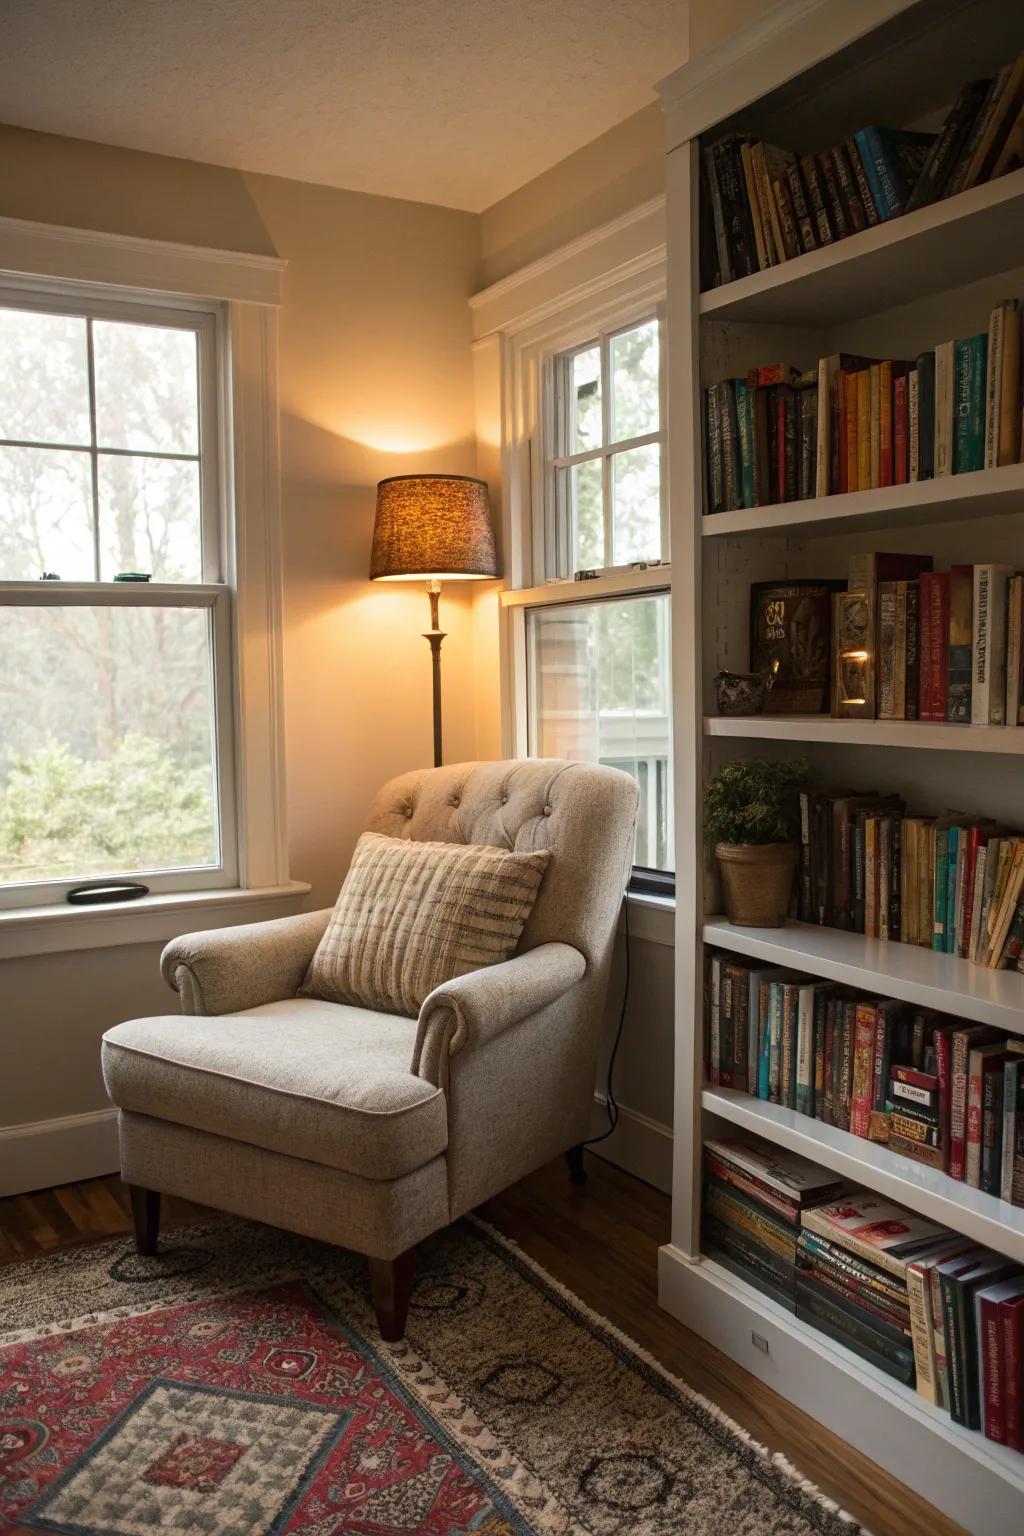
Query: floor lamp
x: 433, y: 528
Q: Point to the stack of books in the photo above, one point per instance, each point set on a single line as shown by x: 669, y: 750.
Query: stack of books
x: 918, y: 1301
x: 944, y: 1091
x: 754, y: 1194
x: 852, y: 1263
x: 854, y: 423
x: 952, y: 883
x: 762, y: 205
x: 910, y: 643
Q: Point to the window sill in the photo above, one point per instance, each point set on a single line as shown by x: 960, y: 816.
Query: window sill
x: 621, y: 583
x: 54, y: 929
x: 651, y: 918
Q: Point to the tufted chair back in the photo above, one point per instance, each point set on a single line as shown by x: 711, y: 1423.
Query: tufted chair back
x: 585, y: 814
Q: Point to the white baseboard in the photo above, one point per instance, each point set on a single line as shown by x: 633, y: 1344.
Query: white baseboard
x: 638, y: 1144
x: 975, y: 1482
x: 42, y: 1153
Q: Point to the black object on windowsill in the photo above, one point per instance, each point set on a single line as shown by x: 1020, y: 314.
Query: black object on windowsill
x: 94, y: 893
x: 651, y: 882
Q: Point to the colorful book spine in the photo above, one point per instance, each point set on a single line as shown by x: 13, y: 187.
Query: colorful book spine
x: 1012, y: 1319
x: 745, y: 436
x: 900, y: 429
x: 990, y: 642
x: 945, y: 407
x: 961, y: 634
x: 863, y: 1062
x: 969, y: 366
x: 912, y: 652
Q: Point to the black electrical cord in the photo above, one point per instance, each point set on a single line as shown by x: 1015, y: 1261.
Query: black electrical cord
x: 611, y: 1104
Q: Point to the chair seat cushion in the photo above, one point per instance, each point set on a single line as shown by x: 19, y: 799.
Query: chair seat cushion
x: 320, y: 1081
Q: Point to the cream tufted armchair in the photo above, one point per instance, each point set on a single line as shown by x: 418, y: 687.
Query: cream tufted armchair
x: 367, y: 1129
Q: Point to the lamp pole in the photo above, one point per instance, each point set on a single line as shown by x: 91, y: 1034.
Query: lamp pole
x: 433, y: 637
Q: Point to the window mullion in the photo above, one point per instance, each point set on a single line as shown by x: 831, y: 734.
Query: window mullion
x: 93, y: 442
x: 666, y: 542
x: 606, y: 437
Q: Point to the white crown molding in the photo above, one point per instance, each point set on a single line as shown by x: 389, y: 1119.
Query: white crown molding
x: 788, y: 38
x: 566, y: 253
x: 29, y: 248
x: 624, y: 247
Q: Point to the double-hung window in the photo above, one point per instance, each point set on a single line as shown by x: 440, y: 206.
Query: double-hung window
x: 605, y: 489
x: 115, y: 636
x: 596, y: 637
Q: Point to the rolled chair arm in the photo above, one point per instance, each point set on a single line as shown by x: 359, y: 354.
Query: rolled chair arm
x: 474, y: 1008
x: 226, y: 970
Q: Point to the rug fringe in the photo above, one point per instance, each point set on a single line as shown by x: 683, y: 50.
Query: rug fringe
x: 771, y: 1458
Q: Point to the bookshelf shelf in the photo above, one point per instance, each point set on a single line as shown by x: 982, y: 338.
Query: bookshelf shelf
x: 982, y: 1217
x: 951, y: 498
x: 976, y: 234
x: 890, y: 969
x: 1005, y: 740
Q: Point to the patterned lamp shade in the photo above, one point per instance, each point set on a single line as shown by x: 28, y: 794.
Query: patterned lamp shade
x: 432, y: 527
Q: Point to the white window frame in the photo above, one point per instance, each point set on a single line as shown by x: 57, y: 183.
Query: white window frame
x: 559, y: 535
x: 210, y: 594
x: 602, y: 284
x: 242, y: 294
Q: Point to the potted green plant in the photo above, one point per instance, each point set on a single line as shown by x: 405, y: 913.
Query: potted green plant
x: 752, y: 821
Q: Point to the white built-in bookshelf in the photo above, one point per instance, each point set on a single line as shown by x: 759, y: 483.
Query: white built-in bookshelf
x: 805, y: 75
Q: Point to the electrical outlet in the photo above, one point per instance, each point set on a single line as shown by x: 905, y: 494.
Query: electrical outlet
x: 759, y: 1342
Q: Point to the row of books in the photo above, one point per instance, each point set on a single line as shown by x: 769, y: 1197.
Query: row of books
x: 919, y: 1302
x: 763, y: 205
x: 952, y: 883
x: 941, y: 646
x: 950, y: 410
x: 895, y: 641
x: 854, y: 423
x: 943, y: 1091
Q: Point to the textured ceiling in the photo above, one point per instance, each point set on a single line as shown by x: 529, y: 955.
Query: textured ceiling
x: 447, y: 103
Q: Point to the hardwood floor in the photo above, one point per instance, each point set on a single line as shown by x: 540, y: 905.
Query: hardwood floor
x: 602, y: 1243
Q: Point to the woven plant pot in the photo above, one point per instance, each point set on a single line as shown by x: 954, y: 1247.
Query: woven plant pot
x: 757, y: 880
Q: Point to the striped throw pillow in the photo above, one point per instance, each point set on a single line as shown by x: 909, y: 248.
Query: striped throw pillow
x: 413, y: 915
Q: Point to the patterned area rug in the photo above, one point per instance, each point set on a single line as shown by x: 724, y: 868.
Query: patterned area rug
x: 237, y: 1386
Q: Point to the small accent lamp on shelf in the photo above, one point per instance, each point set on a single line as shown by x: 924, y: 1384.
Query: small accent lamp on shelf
x: 433, y: 528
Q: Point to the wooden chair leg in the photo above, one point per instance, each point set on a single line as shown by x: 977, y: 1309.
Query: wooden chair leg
x: 577, y: 1172
x: 145, y: 1217
x: 390, y: 1289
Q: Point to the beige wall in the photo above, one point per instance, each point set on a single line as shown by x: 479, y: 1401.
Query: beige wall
x: 606, y: 178
x: 375, y: 379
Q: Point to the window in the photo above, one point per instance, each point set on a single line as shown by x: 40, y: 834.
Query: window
x: 115, y: 694
x: 597, y: 675
x: 605, y: 482
x: 599, y: 691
